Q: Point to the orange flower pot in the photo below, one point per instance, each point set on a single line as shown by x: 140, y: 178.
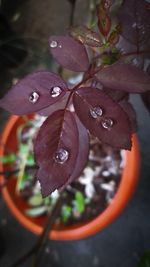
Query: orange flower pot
x: 17, y: 205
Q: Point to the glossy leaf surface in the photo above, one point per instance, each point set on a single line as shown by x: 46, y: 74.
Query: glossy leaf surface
x: 69, y: 53
x: 56, y: 150
x: 109, y: 121
x: 124, y: 77
x: 33, y: 93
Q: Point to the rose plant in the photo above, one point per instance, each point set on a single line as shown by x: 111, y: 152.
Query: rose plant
x: 113, y: 60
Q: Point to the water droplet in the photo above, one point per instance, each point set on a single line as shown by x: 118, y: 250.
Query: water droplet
x: 61, y: 156
x: 33, y: 98
x: 56, y: 91
x: 107, y: 123
x: 95, y: 112
x: 53, y: 44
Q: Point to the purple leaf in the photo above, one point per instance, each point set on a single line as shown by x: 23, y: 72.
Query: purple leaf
x: 124, y: 77
x: 56, y: 106
x: 134, y: 17
x: 69, y: 53
x: 35, y: 92
x: 83, y: 151
x: 56, y: 150
x: 103, y: 117
x: 116, y: 95
x: 128, y: 108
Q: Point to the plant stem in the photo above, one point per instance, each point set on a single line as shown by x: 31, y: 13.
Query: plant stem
x: 37, y: 248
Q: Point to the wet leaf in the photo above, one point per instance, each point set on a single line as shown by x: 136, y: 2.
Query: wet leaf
x: 34, y: 92
x: 86, y: 36
x: 56, y: 150
x: 103, y: 117
x: 104, y: 21
x: 69, y: 53
x: 124, y: 77
x: 56, y: 106
x: 83, y: 151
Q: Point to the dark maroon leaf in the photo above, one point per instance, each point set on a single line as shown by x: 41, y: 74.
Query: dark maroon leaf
x: 83, y: 151
x: 124, y: 77
x: 69, y: 53
x: 56, y: 150
x: 35, y: 92
x: 115, y: 94
x: 128, y: 108
x: 86, y: 36
x: 56, y: 106
x: 103, y: 117
x: 134, y: 17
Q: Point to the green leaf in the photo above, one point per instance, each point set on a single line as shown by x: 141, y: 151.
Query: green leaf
x: 23, y: 148
x: 145, y: 260
x: 22, y: 182
x: 79, y: 202
x: 8, y: 158
x: 30, y: 160
x: 35, y: 212
x: 47, y: 201
x: 65, y: 213
x: 36, y: 200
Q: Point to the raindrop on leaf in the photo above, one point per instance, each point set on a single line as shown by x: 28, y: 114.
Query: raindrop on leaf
x: 33, y: 98
x: 95, y: 112
x: 61, y: 156
x: 107, y: 123
x: 56, y: 91
x: 53, y: 44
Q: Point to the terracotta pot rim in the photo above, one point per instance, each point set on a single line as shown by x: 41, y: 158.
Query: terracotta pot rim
x: 125, y: 191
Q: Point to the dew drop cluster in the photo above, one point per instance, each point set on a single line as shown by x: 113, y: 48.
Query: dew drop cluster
x: 106, y: 123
